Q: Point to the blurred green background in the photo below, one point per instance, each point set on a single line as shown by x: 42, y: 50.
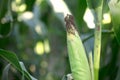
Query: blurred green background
x: 35, y: 31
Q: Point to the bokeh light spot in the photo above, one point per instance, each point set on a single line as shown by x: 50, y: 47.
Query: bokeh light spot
x: 106, y: 18
x: 47, y: 46
x: 89, y: 18
x: 22, y: 7
x: 32, y: 68
x: 39, y: 48
x: 44, y: 64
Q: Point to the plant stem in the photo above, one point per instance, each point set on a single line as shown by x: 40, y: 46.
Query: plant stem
x: 97, y: 44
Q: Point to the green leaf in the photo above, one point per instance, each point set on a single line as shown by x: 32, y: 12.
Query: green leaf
x: 12, y: 58
x: 90, y: 59
x: 77, y: 56
x: 114, y: 6
x: 26, y: 72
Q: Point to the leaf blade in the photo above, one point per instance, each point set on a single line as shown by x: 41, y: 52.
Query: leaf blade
x: 12, y: 58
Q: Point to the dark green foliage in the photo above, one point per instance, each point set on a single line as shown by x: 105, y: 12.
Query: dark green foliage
x: 21, y: 37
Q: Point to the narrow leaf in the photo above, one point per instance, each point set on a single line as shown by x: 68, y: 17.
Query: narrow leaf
x: 26, y: 72
x: 5, y: 72
x: 91, y: 65
x: 12, y: 58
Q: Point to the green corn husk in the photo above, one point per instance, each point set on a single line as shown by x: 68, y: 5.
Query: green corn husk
x: 77, y: 56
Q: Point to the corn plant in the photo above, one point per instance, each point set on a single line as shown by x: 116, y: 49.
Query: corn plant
x: 78, y: 60
x: 84, y: 68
